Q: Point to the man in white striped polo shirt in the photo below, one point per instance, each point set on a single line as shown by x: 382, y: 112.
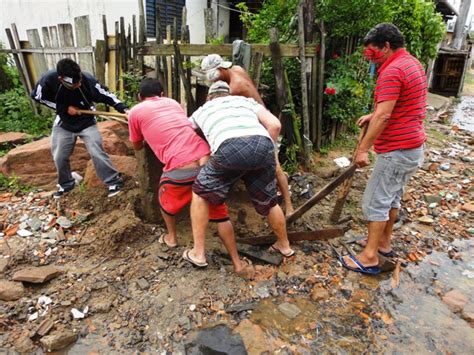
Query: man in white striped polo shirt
x: 241, y: 134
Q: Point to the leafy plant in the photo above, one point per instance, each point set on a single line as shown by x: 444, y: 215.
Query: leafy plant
x: 132, y: 87
x: 350, y: 78
x: 12, y: 184
x: 17, y: 115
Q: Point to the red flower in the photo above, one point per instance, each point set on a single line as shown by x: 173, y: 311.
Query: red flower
x: 330, y: 91
x: 318, y: 48
x: 335, y: 56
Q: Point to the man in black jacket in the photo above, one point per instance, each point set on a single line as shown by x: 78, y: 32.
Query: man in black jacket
x: 68, y: 90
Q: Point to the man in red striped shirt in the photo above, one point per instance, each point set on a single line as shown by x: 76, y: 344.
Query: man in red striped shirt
x: 396, y: 132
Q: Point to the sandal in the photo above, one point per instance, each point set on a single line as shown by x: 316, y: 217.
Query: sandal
x: 195, y: 263
x: 274, y: 249
x: 162, y: 240
x: 368, y: 270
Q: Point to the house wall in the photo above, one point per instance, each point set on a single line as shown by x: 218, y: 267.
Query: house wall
x: 28, y: 14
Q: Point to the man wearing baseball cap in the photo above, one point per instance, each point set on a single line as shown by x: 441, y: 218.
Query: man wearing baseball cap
x: 241, y: 84
x: 241, y: 148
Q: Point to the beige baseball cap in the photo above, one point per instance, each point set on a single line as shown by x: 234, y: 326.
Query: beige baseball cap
x: 213, y: 61
x: 219, y: 86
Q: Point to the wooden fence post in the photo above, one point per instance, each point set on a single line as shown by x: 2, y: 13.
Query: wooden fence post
x: 149, y: 174
x: 83, y: 38
x: 307, y: 145
x: 322, y: 58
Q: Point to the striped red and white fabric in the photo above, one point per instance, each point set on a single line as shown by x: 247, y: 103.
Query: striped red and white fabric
x: 402, y: 78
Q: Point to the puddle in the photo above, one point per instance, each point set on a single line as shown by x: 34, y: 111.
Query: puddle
x: 463, y: 116
x: 422, y: 322
x: 372, y: 317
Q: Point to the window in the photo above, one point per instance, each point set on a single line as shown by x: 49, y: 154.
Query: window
x: 169, y: 9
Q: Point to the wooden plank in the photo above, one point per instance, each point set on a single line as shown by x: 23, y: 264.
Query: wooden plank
x: 62, y: 50
x: 326, y: 190
x: 50, y: 60
x: 117, y: 57
x: 66, y: 38
x: 344, y: 191
x: 100, y: 49
x: 191, y: 104
x: 106, y: 39
x: 209, y: 26
x: 83, y: 38
x: 141, y: 35
x: 169, y: 65
x: 38, y: 58
x: 158, y: 40
x: 23, y: 73
x: 123, y: 46
x: 111, y: 64
x: 320, y: 90
x: 277, y: 64
x: 176, y: 81
x: 53, y: 35
x: 257, y: 68
x: 307, y: 145
x: 134, y: 41
x: 320, y: 234
x: 287, y: 50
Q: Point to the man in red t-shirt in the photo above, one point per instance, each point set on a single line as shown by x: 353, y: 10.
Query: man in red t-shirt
x: 397, y: 134
x: 162, y: 123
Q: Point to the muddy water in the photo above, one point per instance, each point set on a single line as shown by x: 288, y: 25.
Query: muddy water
x: 371, y: 316
x: 464, y: 114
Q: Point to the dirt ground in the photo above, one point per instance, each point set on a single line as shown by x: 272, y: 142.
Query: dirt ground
x: 136, y: 295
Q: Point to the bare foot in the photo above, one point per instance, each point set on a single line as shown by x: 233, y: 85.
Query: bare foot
x: 383, y: 248
x: 245, y: 271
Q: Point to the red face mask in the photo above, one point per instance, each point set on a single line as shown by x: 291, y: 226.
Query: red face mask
x: 374, y: 55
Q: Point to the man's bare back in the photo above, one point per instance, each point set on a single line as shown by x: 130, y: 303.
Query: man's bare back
x: 240, y: 83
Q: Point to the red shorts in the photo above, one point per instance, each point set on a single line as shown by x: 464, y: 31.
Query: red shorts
x: 174, y: 195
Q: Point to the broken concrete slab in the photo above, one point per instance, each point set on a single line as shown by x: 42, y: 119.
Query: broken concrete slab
x: 58, y: 340
x: 11, y: 291
x: 3, y: 265
x: 37, y: 274
x: 143, y: 284
x: 289, y: 310
x: 259, y: 254
x: 455, y: 300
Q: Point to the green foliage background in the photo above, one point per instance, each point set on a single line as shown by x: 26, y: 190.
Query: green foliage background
x: 16, y: 114
x: 421, y: 25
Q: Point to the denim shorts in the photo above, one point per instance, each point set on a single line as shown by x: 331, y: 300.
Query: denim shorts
x: 384, y: 189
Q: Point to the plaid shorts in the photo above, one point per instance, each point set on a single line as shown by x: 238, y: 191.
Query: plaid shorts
x: 250, y: 158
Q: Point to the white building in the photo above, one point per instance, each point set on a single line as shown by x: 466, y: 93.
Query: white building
x: 30, y: 14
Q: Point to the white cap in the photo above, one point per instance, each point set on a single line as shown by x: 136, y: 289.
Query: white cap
x: 213, y: 61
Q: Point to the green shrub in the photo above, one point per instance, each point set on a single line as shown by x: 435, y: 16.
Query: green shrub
x: 12, y: 184
x: 17, y: 116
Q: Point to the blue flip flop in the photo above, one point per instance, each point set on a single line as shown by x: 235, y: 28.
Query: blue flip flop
x: 369, y: 270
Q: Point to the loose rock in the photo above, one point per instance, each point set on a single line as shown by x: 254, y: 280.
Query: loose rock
x: 11, y: 291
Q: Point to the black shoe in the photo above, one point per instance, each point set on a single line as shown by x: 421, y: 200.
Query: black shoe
x: 114, y: 190
x: 61, y: 192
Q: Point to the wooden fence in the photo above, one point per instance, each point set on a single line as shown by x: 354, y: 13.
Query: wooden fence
x: 127, y: 49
